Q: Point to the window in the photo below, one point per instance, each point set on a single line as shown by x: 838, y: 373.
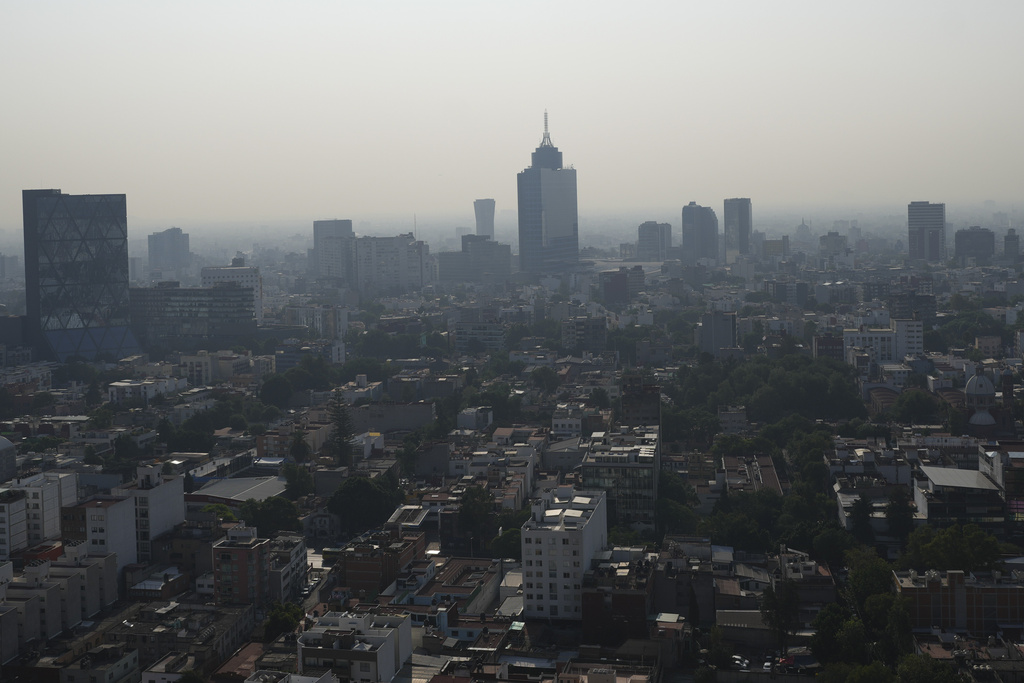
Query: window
x: 565, y: 541
x: 364, y: 666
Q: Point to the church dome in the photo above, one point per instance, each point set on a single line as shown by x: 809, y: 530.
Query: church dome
x: 980, y: 385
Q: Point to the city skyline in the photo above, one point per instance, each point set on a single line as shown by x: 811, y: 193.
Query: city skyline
x: 319, y: 110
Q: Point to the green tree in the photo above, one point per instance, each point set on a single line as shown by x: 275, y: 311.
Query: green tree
x: 298, y: 481
x: 271, y: 515
x: 780, y: 610
x: 922, y: 669
x: 828, y: 623
x: 868, y: 575
x: 362, y: 503
x: 967, y: 548
x: 283, y: 618
x: 222, y: 511
x: 507, y: 544
x: 899, y: 514
x: 299, y: 449
x: 276, y: 391
x: 545, y: 379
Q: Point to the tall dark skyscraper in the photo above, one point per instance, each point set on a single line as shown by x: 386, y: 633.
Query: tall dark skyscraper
x: 484, y: 210
x: 76, y: 275
x: 548, y: 213
x: 739, y: 220
x: 700, y: 233
x: 926, y: 231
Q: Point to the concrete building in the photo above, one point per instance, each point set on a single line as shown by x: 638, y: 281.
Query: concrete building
x: 548, y: 211
x: 247, y: 277
x: 585, y: 333
x: 106, y: 524
x: 653, y: 241
x: 974, y: 246
x: 626, y: 465
x: 333, y: 249
x: 241, y: 568
x: 566, y: 530
x: 159, y: 505
x: 738, y: 219
x: 45, y: 495
x: 391, y: 264
x: 168, y: 254
x: 716, y: 333
x: 169, y: 314
x: 926, y: 231
x: 484, y: 210
x: 700, y: 234
x: 76, y: 275
x: 288, y: 567
x: 363, y: 648
x: 979, y: 603
x: 107, y: 663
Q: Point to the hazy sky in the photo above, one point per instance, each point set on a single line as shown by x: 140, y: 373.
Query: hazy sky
x: 237, y: 111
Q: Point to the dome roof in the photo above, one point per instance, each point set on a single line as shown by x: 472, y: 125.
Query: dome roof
x: 982, y: 418
x: 5, y: 443
x: 980, y: 385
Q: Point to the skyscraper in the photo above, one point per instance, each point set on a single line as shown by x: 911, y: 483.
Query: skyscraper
x: 168, y: 253
x: 548, y: 213
x: 484, y: 210
x: 333, y: 250
x: 653, y: 241
x: 76, y: 275
x: 700, y: 233
x: 739, y: 221
x: 926, y: 231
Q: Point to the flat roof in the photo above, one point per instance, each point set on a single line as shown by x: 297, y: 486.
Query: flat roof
x: 961, y: 479
x: 243, y: 488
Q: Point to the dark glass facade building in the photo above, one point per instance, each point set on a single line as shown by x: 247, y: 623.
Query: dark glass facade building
x: 76, y: 275
x: 548, y: 212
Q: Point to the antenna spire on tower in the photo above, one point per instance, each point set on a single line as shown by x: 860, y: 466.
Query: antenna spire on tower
x: 546, y: 140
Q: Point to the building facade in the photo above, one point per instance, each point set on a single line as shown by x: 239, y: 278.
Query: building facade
x: 168, y: 313
x: 247, y: 277
x: 484, y: 210
x: 332, y: 249
x: 738, y: 217
x: 168, y: 253
x: 926, y: 231
x: 653, y: 241
x: 700, y: 233
x: 548, y: 211
x: 76, y: 275
x: 566, y: 530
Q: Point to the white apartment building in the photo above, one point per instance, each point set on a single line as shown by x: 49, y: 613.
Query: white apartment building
x: 389, y: 264
x: 371, y: 647
x: 159, y: 505
x: 565, y: 531
x: 880, y: 344
x: 909, y: 337
x: 45, y: 495
x: 245, y: 276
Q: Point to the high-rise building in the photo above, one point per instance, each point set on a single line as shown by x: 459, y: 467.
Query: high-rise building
x: 975, y: 245
x: 484, y: 210
x: 245, y: 276
x: 739, y: 222
x: 168, y: 253
x: 926, y: 231
x: 653, y: 241
x: 566, y: 530
x: 700, y: 233
x: 390, y: 264
x: 76, y: 275
x: 625, y: 463
x: 1011, y: 246
x: 332, y: 249
x: 168, y: 314
x: 548, y: 212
